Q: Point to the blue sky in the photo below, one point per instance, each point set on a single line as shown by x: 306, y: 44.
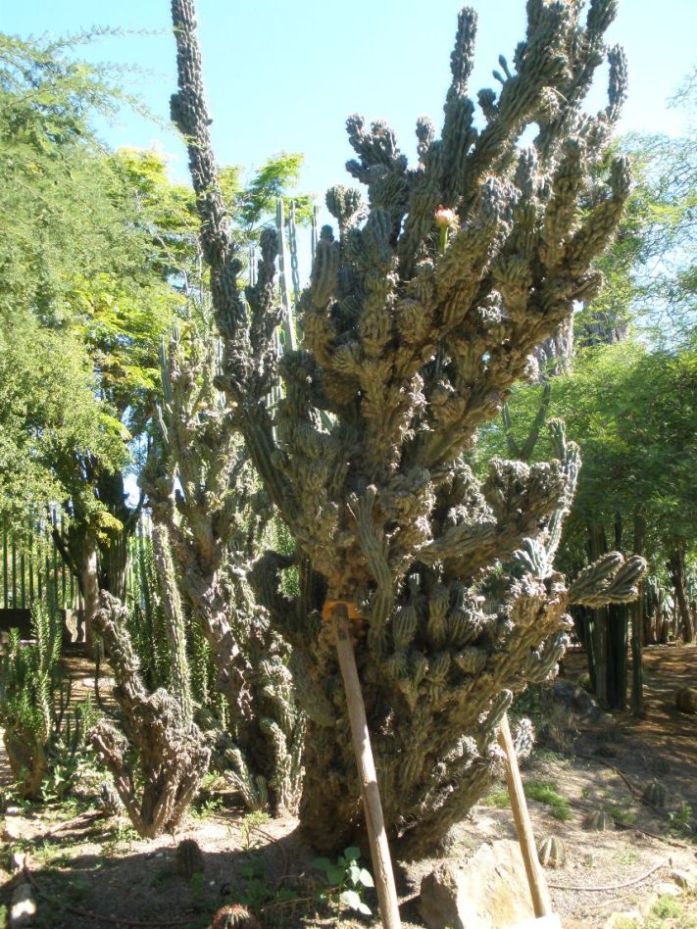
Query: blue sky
x: 284, y: 75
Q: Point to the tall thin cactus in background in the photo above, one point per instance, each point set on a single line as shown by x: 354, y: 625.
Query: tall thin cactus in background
x: 31, y: 681
x: 215, y: 520
x: 175, y: 626
x: 157, y: 756
x: 421, y: 314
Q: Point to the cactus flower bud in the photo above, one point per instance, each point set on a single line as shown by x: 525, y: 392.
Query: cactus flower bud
x: 445, y: 218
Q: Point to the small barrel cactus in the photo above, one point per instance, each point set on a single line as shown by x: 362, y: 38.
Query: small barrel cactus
x: 189, y: 859
x: 234, y: 916
x: 599, y: 821
x: 551, y: 852
x: 686, y: 700
x: 655, y: 795
x: 109, y: 801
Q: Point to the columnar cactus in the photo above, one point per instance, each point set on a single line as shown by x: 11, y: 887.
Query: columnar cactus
x: 160, y: 758
x: 215, y: 521
x: 421, y: 313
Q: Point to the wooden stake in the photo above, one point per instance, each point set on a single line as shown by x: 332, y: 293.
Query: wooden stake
x: 541, y: 901
x: 379, y: 849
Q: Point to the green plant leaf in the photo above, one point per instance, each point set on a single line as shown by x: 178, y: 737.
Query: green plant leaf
x: 352, y: 853
x: 351, y: 899
x: 366, y: 878
x: 322, y: 864
x: 335, y: 875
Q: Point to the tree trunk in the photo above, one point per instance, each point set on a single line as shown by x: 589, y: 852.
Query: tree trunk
x: 676, y: 566
x: 597, y: 546
x: 89, y: 582
x: 637, y: 610
x: 114, y: 564
x: 113, y: 551
x: 618, y: 619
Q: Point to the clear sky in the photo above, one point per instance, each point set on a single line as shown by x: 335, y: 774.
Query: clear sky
x: 284, y: 75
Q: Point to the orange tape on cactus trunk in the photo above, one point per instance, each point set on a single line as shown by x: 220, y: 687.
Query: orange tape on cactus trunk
x: 352, y: 610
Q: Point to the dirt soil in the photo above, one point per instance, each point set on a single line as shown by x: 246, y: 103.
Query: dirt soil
x: 89, y: 871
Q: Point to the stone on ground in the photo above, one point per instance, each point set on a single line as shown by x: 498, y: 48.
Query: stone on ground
x: 23, y: 906
x: 488, y: 891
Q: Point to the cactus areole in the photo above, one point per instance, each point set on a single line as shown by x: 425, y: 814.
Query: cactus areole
x: 412, y: 332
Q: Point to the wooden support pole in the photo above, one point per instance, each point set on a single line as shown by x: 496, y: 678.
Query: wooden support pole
x: 541, y: 901
x: 379, y: 849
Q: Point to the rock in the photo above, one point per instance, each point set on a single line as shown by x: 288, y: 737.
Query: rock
x: 12, y: 830
x: 542, y: 922
x: 23, y: 906
x: 490, y: 891
x: 17, y: 861
x: 686, y: 700
x: 666, y: 889
x: 577, y: 701
x: 683, y: 879
x: 627, y: 918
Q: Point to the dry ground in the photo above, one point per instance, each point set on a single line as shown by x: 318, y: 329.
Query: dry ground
x: 91, y: 872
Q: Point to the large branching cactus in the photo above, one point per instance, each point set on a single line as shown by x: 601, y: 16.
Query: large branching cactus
x: 216, y: 520
x: 158, y: 757
x: 421, y: 314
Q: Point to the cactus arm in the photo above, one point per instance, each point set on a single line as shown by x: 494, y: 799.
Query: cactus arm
x: 246, y: 384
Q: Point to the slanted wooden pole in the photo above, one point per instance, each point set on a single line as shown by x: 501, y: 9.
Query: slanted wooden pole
x: 375, y: 823
x: 541, y: 901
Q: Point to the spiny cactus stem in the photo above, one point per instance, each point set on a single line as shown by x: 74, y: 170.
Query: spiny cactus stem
x: 541, y: 900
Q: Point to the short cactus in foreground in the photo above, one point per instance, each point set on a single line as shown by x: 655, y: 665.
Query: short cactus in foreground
x: 654, y: 795
x: 686, y: 700
x: 188, y: 859
x: 551, y: 852
x: 234, y: 916
x: 413, y: 331
x: 599, y: 821
x: 108, y: 800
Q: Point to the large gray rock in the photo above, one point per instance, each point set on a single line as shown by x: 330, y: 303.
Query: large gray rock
x: 489, y: 891
x: 23, y: 906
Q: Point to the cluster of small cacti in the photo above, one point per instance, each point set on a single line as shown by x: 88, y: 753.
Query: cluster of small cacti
x: 551, y: 852
x: 414, y: 329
